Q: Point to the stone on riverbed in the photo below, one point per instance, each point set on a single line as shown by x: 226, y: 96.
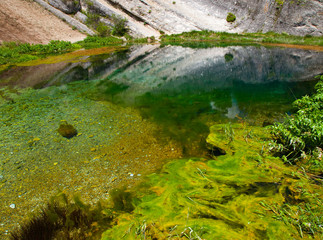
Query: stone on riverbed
x: 66, y: 130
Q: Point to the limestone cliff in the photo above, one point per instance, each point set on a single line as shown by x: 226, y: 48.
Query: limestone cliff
x: 22, y: 20
x: 298, y: 17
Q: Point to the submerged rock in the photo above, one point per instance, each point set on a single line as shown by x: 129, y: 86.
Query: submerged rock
x: 66, y: 130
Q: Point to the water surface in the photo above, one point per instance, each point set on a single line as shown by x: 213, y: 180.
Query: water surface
x: 132, y: 108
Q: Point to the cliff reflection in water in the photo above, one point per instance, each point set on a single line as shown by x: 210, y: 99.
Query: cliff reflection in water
x: 184, y: 88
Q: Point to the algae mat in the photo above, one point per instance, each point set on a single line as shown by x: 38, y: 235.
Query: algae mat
x: 111, y: 148
x: 222, y: 198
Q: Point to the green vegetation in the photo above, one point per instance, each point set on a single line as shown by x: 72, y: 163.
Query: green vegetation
x: 103, y: 30
x: 306, y: 218
x: 231, y: 17
x: 269, y: 37
x: 299, y: 139
x: 119, y: 26
x: 280, y: 2
x: 244, y: 194
x: 11, y: 52
x: 96, y: 42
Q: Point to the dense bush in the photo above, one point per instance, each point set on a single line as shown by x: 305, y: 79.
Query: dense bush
x: 93, y: 20
x: 95, y: 41
x: 54, y: 46
x: 300, y: 137
x: 119, y: 26
x: 231, y: 17
x: 11, y: 52
x: 103, y: 30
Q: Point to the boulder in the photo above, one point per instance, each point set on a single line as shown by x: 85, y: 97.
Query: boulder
x: 66, y: 6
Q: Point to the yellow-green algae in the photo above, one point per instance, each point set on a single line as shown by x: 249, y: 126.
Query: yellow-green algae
x: 218, y: 198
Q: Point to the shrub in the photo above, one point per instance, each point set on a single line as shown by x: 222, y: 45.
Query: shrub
x: 231, y: 17
x: 300, y: 137
x: 103, y: 30
x: 93, y: 20
x: 119, y: 28
x: 95, y: 41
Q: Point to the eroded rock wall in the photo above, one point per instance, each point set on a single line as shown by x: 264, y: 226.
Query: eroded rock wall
x: 298, y: 17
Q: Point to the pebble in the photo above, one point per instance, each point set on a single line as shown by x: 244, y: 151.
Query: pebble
x: 13, y: 206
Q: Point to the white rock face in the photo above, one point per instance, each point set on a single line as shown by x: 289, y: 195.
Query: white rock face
x: 67, y: 6
x: 147, y: 17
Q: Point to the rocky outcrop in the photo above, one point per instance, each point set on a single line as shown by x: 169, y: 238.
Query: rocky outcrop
x: 66, y: 6
x: 70, y: 20
x: 294, y: 17
x: 147, y: 18
x: 300, y: 17
x: 137, y: 27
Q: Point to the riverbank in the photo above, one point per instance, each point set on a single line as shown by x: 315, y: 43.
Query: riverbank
x: 12, y: 53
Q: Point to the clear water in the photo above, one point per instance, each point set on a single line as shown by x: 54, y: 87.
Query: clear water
x: 133, y: 107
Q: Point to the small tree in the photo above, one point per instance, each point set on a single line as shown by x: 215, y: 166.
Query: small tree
x: 231, y: 17
x: 119, y: 28
x: 103, y: 30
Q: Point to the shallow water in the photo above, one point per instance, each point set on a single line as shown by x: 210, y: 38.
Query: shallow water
x: 132, y: 108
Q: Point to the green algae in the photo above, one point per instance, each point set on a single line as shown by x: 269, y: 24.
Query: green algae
x: 214, y: 199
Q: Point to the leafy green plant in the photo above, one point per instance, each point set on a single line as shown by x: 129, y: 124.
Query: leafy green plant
x: 244, y: 38
x: 103, y: 30
x: 93, y: 19
x: 13, y: 52
x: 231, y: 17
x: 96, y: 41
x: 280, y: 2
x: 120, y: 28
x: 300, y: 137
x: 306, y: 218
